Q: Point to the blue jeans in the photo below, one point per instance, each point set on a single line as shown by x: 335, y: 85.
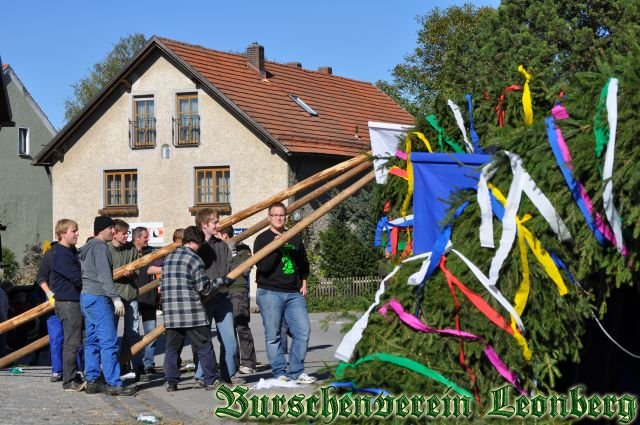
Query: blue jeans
x: 150, y: 349
x: 56, y: 337
x: 220, y: 310
x: 131, y: 333
x: 101, y: 340
x: 292, y: 306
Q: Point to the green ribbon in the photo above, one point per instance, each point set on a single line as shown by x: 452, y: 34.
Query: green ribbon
x: 405, y: 363
x: 431, y: 119
x: 600, y: 126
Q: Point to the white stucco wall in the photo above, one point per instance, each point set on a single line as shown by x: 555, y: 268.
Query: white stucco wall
x: 165, y: 187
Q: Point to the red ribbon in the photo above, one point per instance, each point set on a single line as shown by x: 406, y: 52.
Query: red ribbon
x: 499, y: 109
x: 476, y: 300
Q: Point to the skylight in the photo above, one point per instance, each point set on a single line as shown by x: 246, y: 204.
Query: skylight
x: 303, y: 105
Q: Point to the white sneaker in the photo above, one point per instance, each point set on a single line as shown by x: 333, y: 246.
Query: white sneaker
x: 303, y: 378
x: 282, y: 378
x: 246, y: 370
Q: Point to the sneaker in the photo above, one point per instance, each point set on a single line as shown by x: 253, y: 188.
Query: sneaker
x: 148, y: 374
x: 213, y: 386
x: 56, y: 377
x: 237, y: 380
x: 75, y: 385
x: 282, y: 378
x: 171, y: 386
x: 303, y: 378
x: 246, y: 370
x: 94, y: 387
x: 198, y: 384
x: 121, y: 390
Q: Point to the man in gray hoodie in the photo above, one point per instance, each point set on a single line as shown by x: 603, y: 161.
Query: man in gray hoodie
x: 101, y: 306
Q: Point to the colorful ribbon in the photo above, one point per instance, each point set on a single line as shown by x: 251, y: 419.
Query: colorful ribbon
x: 475, y: 139
x: 399, y: 172
x: 351, y: 339
x: 351, y: 386
x: 526, y: 98
x: 458, y: 117
x: 541, y: 254
x: 431, y: 119
x: 420, y: 326
x: 404, y: 363
x: 499, y: 109
x: 407, y: 200
x: 599, y: 228
x: 607, y: 172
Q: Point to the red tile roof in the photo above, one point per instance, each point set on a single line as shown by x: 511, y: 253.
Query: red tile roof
x: 344, y: 106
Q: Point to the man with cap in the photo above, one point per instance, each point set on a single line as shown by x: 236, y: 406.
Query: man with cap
x: 101, y: 306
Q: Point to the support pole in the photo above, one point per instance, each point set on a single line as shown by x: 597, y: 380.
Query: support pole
x: 268, y: 249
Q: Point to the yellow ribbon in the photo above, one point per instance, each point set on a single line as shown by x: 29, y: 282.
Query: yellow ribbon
x: 407, y: 199
x: 536, y: 247
x: 526, y: 97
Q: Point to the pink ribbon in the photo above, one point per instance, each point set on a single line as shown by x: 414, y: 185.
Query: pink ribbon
x: 402, y: 155
x: 420, y: 326
x: 559, y: 112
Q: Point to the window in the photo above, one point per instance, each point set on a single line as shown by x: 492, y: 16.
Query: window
x: 212, y: 189
x: 187, y: 123
x: 23, y: 141
x: 142, y: 129
x: 120, y: 192
x: 303, y: 105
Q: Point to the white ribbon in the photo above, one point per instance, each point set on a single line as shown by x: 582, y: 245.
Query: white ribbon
x: 607, y: 172
x: 522, y: 182
x: 540, y: 201
x: 351, y: 339
x: 458, y: 116
x: 486, y: 214
x: 384, y: 138
x: 492, y: 288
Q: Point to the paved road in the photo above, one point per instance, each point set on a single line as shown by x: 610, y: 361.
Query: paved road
x: 29, y: 398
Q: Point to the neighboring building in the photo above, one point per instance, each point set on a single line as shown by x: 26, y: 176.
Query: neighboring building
x: 183, y: 127
x: 25, y: 190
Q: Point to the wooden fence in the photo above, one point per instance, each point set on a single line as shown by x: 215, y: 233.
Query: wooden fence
x: 346, y: 287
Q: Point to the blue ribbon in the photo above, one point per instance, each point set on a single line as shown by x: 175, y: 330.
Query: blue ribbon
x: 475, y: 139
x: 574, y: 186
x: 351, y: 385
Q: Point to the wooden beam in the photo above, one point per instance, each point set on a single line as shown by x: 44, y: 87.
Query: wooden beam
x: 27, y: 349
x: 258, y: 256
x: 304, y: 200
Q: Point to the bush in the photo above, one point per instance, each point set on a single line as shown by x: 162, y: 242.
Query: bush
x: 9, y: 264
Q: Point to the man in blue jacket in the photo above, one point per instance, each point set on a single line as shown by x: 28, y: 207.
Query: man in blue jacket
x: 65, y: 280
x: 101, y: 306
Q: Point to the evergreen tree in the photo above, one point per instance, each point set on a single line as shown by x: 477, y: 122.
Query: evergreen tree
x: 569, y: 47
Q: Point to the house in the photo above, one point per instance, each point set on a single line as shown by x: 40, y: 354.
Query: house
x: 183, y: 127
x: 25, y: 190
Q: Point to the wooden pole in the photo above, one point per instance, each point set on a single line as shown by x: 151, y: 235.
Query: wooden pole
x: 27, y: 349
x: 268, y: 249
x: 248, y: 212
x: 28, y: 315
x: 304, y: 200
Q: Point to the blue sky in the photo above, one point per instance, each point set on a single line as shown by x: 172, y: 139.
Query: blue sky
x: 52, y: 44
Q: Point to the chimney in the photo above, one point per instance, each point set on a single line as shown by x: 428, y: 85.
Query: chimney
x: 295, y: 65
x: 255, y: 58
x: 325, y: 70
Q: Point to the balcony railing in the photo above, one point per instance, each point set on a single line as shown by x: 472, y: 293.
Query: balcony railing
x: 186, y: 131
x: 142, y: 133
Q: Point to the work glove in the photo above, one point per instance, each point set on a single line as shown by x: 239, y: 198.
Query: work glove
x: 52, y: 300
x: 221, y: 281
x: 119, y: 307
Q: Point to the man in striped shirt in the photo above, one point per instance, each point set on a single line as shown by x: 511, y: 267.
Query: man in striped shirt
x: 184, y: 285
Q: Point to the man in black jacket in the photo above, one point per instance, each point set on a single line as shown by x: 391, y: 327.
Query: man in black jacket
x: 282, y: 288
